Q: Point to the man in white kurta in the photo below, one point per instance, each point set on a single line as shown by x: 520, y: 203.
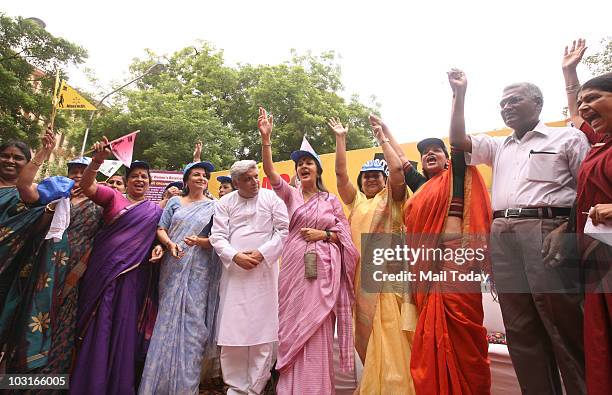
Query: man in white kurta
x: 250, y: 225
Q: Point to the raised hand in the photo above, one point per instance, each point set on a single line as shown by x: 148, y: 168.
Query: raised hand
x: 101, y: 150
x: 337, y: 127
x: 457, y: 80
x: 573, y: 54
x: 265, y: 123
x: 377, y: 128
x: 375, y: 120
x: 197, y: 151
x: 47, y: 142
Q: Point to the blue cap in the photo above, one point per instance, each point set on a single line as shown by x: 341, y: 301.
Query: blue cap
x: 177, y: 184
x: 305, y: 150
x: 375, y: 165
x: 54, y: 188
x: 296, y: 155
x: 224, y: 179
x: 205, y: 165
x: 84, y: 161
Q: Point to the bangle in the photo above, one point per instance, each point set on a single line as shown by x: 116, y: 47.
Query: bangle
x: 383, y: 141
x: 35, y: 162
x: 572, y: 88
x: 266, y: 145
x: 49, y: 209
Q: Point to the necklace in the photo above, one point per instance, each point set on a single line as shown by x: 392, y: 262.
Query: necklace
x: 133, y: 200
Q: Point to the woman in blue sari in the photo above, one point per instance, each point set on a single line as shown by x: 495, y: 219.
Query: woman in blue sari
x: 35, y: 267
x: 188, y: 290
x: 44, y: 303
x: 114, y: 305
x: 16, y: 218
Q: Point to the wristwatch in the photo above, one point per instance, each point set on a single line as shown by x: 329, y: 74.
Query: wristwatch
x: 328, y: 235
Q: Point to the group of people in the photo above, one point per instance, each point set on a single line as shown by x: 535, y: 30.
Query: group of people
x: 127, y: 295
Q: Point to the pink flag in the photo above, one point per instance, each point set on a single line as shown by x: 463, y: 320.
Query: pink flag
x: 123, y: 147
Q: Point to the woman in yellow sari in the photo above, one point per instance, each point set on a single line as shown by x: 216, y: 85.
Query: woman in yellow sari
x: 383, y: 321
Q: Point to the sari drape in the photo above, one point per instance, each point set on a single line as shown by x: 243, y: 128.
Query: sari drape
x: 595, y: 187
x: 384, y: 320
x: 17, y: 241
x: 43, y: 324
x: 188, y: 301
x: 309, y: 307
x: 449, y: 352
x: 112, y: 300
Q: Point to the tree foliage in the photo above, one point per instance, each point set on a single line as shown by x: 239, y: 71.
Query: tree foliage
x: 200, y: 97
x: 25, y: 96
x: 601, y: 62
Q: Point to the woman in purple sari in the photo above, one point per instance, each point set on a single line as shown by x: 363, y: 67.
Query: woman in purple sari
x: 113, y: 299
x: 316, y: 276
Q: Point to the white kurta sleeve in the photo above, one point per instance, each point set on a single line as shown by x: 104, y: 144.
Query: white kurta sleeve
x: 220, y: 234
x: 272, y: 249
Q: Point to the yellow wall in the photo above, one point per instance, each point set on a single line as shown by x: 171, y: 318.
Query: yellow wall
x: 355, y: 159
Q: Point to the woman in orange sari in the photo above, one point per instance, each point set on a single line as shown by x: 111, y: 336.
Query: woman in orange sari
x: 448, y: 216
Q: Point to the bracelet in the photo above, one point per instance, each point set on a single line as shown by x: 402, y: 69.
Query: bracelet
x: 572, y: 86
x: 49, y: 209
x: 383, y: 141
x: 35, y: 162
x: 266, y: 145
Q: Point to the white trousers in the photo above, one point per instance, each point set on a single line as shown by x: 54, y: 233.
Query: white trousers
x: 246, y: 369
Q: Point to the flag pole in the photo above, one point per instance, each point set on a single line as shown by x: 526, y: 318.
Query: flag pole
x: 54, y: 99
x: 155, y: 69
x: 91, y: 117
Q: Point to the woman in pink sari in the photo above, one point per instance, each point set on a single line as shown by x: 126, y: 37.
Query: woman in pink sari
x: 316, y: 276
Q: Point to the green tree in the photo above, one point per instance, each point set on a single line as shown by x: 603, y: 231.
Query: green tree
x: 200, y: 97
x: 601, y: 62
x: 25, y: 96
x: 301, y: 94
x: 171, y: 115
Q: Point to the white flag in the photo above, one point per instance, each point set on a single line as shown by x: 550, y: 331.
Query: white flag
x: 110, y: 167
